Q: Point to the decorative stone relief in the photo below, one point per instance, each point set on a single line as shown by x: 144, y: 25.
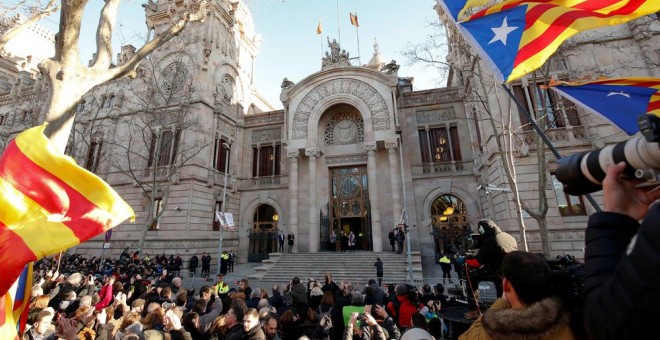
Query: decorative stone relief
x: 225, y: 128
x: 312, y: 153
x: 173, y: 77
x: 366, y: 93
x: 293, y: 155
x: 225, y: 89
x: 266, y: 135
x: 345, y: 128
x: 435, y: 116
x: 357, y: 158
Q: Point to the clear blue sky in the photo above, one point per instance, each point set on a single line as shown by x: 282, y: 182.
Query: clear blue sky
x: 291, y: 48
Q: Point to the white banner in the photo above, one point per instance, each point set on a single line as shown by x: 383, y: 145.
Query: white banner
x: 226, y: 220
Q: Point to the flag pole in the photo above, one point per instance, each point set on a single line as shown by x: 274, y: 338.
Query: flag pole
x: 338, y: 29
x: 543, y: 137
x: 357, y: 33
x: 59, y: 260
x: 319, y: 32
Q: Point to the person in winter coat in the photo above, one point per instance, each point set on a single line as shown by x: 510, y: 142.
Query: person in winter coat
x: 298, y: 291
x: 194, y: 262
x: 528, y: 309
x: 251, y: 326
x: 494, y: 245
x: 622, y: 256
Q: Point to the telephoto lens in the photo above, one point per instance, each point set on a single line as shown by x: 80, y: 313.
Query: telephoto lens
x: 583, y: 173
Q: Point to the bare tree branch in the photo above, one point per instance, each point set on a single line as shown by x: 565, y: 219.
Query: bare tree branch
x: 104, y: 35
x: 49, y: 9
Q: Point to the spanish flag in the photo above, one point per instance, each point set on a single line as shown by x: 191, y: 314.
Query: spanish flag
x: 619, y: 101
x: 48, y: 203
x: 319, y: 29
x: 354, y: 20
x: 516, y: 37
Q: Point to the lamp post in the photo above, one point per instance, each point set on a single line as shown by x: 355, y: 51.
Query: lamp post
x: 222, y: 207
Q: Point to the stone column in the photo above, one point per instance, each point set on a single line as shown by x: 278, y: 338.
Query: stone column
x: 293, y: 195
x: 376, y: 232
x: 313, y: 206
x: 393, y: 158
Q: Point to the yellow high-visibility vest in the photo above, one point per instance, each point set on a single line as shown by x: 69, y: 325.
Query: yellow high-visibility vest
x: 444, y: 259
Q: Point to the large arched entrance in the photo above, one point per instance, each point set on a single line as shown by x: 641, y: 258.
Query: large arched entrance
x: 449, y: 223
x: 263, y: 235
x: 350, y: 204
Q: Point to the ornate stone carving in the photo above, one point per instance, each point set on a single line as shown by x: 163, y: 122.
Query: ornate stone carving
x: 436, y: 116
x: 266, y: 135
x: 293, y: 155
x: 357, y: 158
x: 225, y: 89
x: 173, y: 77
x: 312, y: 153
x: 380, y: 118
x: 287, y: 84
x: 344, y: 128
x: 371, y: 147
x: 390, y: 68
x: 336, y: 57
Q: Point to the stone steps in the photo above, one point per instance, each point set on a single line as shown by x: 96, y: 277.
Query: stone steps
x: 355, y: 266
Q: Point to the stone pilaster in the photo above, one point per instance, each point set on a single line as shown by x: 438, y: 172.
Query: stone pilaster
x: 293, y: 194
x: 376, y: 232
x: 393, y: 158
x: 314, y: 241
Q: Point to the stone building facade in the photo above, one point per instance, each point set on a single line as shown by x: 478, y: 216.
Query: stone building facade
x: 353, y: 148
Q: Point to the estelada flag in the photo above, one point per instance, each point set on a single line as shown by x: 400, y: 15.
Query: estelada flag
x: 516, y: 37
x: 48, y: 203
x: 14, y: 306
x: 456, y: 8
x: 319, y: 28
x: 619, y: 101
x: 354, y: 20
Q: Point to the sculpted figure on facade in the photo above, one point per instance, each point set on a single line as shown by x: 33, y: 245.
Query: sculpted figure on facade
x: 336, y: 57
x: 287, y: 84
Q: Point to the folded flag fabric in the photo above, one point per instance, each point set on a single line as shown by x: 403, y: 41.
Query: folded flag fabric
x: 620, y: 101
x: 456, y: 8
x: 517, y: 37
x: 14, y: 305
x: 354, y: 20
x: 48, y: 203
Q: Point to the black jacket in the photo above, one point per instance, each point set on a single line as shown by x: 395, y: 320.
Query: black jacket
x: 622, y: 275
x: 494, y: 246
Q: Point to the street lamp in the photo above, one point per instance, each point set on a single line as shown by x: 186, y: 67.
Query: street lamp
x: 222, y: 207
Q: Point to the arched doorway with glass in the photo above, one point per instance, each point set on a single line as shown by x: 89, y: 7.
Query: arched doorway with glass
x: 263, y: 235
x: 350, y: 204
x: 449, y: 224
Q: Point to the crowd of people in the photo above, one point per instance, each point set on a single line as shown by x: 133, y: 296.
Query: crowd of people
x: 81, y: 303
x: 137, y: 297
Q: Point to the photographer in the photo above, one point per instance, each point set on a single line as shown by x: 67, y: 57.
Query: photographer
x: 622, y: 262
x: 401, y: 309
x: 494, y: 245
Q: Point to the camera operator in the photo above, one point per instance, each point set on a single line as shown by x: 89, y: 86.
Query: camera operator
x: 494, y: 245
x: 622, y: 261
x: 528, y: 308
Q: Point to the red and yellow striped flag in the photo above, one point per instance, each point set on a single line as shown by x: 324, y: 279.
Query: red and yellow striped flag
x: 48, y: 203
x: 319, y: 29
x: 354, y: 20
x: 517, y: 36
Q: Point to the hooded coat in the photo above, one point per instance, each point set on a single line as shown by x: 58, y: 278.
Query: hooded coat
x: 545, y: 319
x: 494, y: 245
